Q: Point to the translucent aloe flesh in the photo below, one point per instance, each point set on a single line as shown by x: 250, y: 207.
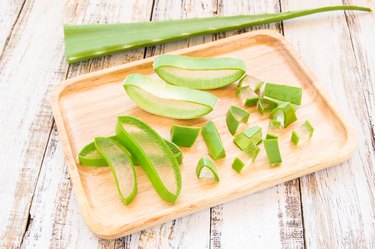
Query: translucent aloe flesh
x: 198, y: 72
x: 254, y: 83
x: 93, y: 40
x: 252, y: 150
x: 303, y: 133
x: 247, y: 95
x: 121, y: 167
x: 153, y: 154
x: 184, y: 136
x: 234, y: 117
x: 251, y: 135
x: 167, y: 100
x: 207, y: 169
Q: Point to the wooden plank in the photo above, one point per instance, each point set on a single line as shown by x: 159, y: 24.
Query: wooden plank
x: 271, y: 218
x: 59, y: 222
x: 9, y: 13
x: 338, y: 202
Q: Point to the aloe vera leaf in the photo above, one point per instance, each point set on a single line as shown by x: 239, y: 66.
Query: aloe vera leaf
x: 167, y: 100
x: 207, y: 169
x: 212, y: 138
x: 254, y: 83
x: 284, y: 113
x: 303, y: 133
x: 234, y: 117
x: 251, y: 135
x: 285, y: 93
x: 272, y: 151
x: 184, y: 136
x: 247, y: 95
x: 198, y: 72
x: 89, y: 156
x: 121, y: 166
x: 93, y: 40
x: 238, y: 165
x: 154, y: 155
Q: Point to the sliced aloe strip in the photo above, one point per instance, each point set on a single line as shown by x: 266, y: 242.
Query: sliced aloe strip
x: 284, y: 93
x: 247, y: 95
x: 153, y: 154
x: 265, y: 105
x: 251, y: 135
x: 234, y: 117
x: 273, y: 151
x: 252, y: 150
x: 270, y: 136
x: 212, y: 138
x: 207, y: 169
x: 198, y: 72
x: 302, y: 133
x: 166, y: 100
x: 121, y: 166
x: 284, y: 113
x: 89, y: 156
x: 254, y: 83
x: 184, y: 136
x: 87, y: 41
x: 238, y: 165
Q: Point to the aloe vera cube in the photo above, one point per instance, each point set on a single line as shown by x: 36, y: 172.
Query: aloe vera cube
x: 212, y: 138
x: 251, y: 135
x: 247, y: 95
x: 265, y: 105
x: 273, y: 151
x: 238, y: 165
x: 184, y: 136
x: 254, y: 83
x: 284, y: 113
x: 252, y: 150
x: 303, y: 133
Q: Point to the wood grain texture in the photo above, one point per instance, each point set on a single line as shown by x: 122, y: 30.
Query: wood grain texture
x: 338, y: 202
x: 75, y: 100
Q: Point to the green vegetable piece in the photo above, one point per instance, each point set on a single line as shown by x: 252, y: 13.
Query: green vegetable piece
x: 238, y: 165
x: 302, y: 133
x: 284, y: 113
x: 207, y: 169
x: 121, y: 166
x: 254, y: 83
x: 213, y: 141
x: 251, y: 135
x: 93, y: 40
x: 252, y: 150
x: 234, y: 117
x: 284, y: 93
x: 184, y: 136
x: 273, y: 151
x: 265, y: 105
x: 198, y: 72
x: 154, y: 155
x: 274, y: 124
x: 167, y: 100
x: 247, y: 95
x: 270, y: 136
x: 89, y: 156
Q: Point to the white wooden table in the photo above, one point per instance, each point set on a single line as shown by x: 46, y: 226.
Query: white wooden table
x: 333, y: 208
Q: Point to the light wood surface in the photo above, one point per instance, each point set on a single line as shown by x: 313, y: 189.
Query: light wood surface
x: 330, y: 208
x: 87, y: 106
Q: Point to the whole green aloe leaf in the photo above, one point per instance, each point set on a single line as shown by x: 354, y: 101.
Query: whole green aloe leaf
x: 88, y: 41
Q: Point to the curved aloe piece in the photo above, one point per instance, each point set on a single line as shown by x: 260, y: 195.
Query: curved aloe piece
x: 153, y: 154
x: 252, y: 82
x: 184, y: 136
x: 251, y: 135
x: 302, y: 133
x: 198, y: 72
x: 285, y: 93
x: 234, y: 117
x: 88, y: 41
x: 175, y: 150
x: 212, y: 138
x: 273, y: 151
x: 284, y: 113
x: 121, y: 166
x: 166, y: 100
x: 207, y: 169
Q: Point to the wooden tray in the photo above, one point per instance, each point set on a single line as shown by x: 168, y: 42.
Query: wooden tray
x: 87, y: 106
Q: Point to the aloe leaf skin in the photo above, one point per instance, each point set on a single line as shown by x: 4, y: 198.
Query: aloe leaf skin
x: 153, y: 154
x: 254, y: 83
x: 212, y: 138
x: 83, y: 42
x: 234, y: 117
x: 284, y: 113
x: 199, y: 72
x: 176, y: 151
x: 238, y: 165
x: 203, y: 164
x: 167, y: 100
x: 251, y: 135
x: 284, y: 93
x: 184, y: 136
x: 121, y: 166
x: 302, y: 133
x: 252, y: 150
x: 272, y: 151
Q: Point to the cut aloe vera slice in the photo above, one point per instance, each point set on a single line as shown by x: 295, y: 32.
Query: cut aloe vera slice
x: 251, y: 135
x: 238, y: 165
x: 284, y: 113
x: 234, y: 117
x: 284, y: 93
x: 252, y: 150
x: 167, y: 100
x: 302, y: 133
x: 247, y: 95
x: 265, y: 105
x: 207, y: 169
x: 197, y: 72
x: 215, y: 145
x: 270, y: 136
x: 153, y: 154
x: 254, y: 83
x: 273, y: 151
x: 121, y: 166
x: 89, y: 156
x: 184, y: 136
